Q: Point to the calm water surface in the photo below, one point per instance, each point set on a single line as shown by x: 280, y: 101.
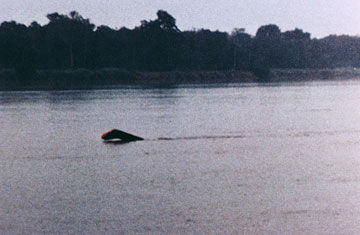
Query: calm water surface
x: 253, y: 159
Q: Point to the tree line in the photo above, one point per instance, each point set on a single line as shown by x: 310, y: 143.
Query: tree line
x: 71, y: 41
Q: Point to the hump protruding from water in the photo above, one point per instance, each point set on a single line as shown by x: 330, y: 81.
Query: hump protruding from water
x: 122, y: 136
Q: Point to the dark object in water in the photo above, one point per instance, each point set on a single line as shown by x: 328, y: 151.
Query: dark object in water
x: 122, y: 136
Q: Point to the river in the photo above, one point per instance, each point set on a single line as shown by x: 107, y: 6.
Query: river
x: 271, y: 158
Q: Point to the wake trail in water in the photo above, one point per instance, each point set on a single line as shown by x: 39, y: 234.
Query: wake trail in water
x: 269, y: 135
x: 200, y: 137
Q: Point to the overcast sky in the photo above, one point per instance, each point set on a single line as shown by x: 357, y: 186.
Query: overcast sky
x: 318, y: 17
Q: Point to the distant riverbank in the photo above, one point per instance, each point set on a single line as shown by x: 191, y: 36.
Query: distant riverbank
x: 105, y: 78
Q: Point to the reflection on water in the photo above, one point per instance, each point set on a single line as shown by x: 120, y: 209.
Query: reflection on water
x: 243, y: 158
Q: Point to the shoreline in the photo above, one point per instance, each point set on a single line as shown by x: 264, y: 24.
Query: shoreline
x: 114, y: 77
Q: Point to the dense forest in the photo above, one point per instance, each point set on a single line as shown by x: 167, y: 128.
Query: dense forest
x: 72, y: 42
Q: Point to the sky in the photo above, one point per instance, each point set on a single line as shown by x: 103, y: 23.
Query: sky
x: 318, y: 17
